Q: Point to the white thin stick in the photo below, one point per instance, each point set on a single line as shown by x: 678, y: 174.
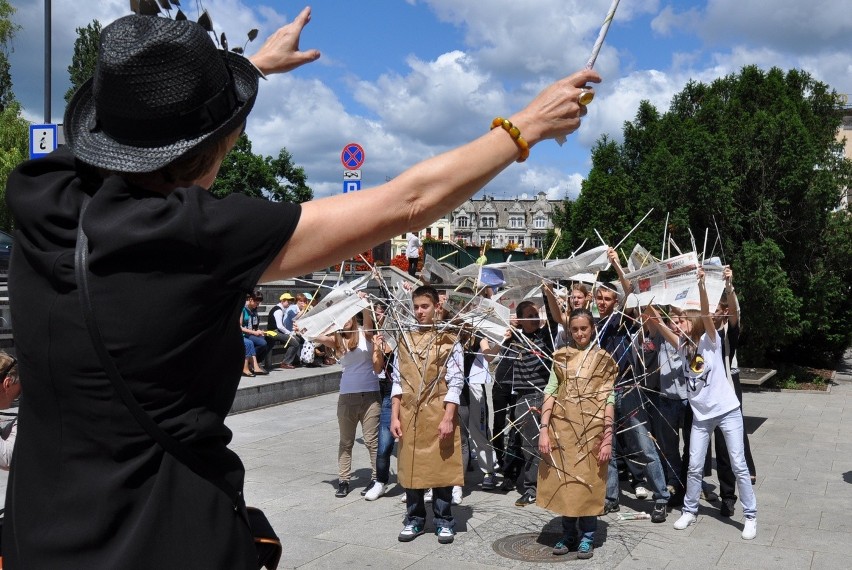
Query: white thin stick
x: 602, y: 34
x: 704, y: 249
x: 596, y: 49
x: 719, y: 234
x: 633, y: 229
x: 665, y: 231
x: 600, y: 238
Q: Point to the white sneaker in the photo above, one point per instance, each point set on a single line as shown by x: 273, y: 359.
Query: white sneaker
x: 427, y: 497
x: 684, y: 521
x: 376, y: 491
x: 642, y: 493
x: 404, y: 497
x: 750, y: 528
x: 457, y: 495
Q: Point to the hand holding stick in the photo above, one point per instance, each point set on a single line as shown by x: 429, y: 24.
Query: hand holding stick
x: 588, y: 94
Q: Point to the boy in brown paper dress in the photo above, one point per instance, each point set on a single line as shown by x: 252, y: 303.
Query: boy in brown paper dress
x: 427, y: 382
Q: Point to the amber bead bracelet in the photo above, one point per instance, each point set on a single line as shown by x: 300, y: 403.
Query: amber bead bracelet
x: 515, y: 133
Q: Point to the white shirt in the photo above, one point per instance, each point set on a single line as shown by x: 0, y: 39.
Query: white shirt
x: 454, y: 376
x: 413, y: 249
x: 7, y: 443
x: 707, y: 387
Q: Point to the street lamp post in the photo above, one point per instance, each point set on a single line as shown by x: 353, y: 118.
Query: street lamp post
x: 47, y: 47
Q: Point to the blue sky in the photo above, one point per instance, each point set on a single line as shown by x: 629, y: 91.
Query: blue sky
x: 408, y: 79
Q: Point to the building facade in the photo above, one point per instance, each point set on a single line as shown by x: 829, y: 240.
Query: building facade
x: 441, y: 230
x: 845, y: 133
x: 522, y: 221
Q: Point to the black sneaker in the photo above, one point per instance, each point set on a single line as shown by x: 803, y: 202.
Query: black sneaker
x: 658, y: 515
x: 342, y: 489
x: 611, y: 507
x: 728, y: 507
x: 527, y: 498
x: 368, y: 487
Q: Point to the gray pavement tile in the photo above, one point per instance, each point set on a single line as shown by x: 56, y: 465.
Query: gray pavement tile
x: 758, y: 557
x: 816, y: 540
x: 829, y: 561
x: 835, y: 521
x: 439, y: 564
x: 824, y: 504
x: 354, y: 556
x: 298, y: 550
x: 792, y: 515
x: 679, y: 546
x: 774, y: 485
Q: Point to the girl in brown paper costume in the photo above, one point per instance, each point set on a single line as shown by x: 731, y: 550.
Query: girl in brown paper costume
x: 427, y: 382
x: 576, y: 436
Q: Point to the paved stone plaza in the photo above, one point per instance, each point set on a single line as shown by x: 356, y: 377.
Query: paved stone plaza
x: 802, y: 445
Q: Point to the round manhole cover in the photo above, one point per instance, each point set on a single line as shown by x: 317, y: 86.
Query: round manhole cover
x: 529, y: 547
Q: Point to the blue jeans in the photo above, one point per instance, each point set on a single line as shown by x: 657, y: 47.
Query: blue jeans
x: 386, y: 441
x: 631, y: 419
x: 731, y: 425
x: 667, y: 427
x: 587, y: 525
x: 260, y: 346
x: 415, y: 507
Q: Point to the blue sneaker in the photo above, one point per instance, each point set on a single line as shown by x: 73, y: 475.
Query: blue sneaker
x: 586, y: 549
x: 410, y: 532
x: 445, y: 534
x: 565, y: 545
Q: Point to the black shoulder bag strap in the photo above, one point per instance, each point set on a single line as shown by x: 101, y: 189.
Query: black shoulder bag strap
x: 166, y: 441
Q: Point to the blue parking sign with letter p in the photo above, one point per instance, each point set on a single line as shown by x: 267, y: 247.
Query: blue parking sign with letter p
x: 351, y: 186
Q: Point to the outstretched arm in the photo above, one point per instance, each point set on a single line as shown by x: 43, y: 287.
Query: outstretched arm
x: 706, y: 317
x: 612, y: 255
x: 427, y: 190
x: 733, y: 302
x: 553, y: 305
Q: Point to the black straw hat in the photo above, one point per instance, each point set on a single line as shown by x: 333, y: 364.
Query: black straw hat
x: 161, y: 89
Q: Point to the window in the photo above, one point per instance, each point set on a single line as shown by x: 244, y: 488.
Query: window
x: 488, y: 221
x: 440, y: 233
x: 538, y: 242
x: 540, y: 223
x: 516, y: 222
x: 462, y: 221
x: 521, y: 241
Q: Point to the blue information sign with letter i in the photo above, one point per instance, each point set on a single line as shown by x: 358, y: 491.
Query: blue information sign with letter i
x: 42, y: 140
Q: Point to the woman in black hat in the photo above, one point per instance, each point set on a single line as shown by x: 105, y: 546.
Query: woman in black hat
x: 168, y: 266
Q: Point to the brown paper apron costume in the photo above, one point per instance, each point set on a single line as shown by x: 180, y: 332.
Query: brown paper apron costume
x: 425, y: 461
x: 570, y: 481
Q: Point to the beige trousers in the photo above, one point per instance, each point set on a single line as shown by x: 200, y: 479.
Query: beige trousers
x: 363, y: 407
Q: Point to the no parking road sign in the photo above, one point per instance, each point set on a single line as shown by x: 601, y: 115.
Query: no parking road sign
x: 352, y: 156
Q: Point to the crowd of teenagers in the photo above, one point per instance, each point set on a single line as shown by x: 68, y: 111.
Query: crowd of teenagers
x: 584, y: 396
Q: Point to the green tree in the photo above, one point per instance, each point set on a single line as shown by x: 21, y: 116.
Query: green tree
x: 85, y: 57
x: 14, y: 140
x: 755, y: 155
x: 7, y: 32
x: 276, y: 179
x: 14, y: 130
